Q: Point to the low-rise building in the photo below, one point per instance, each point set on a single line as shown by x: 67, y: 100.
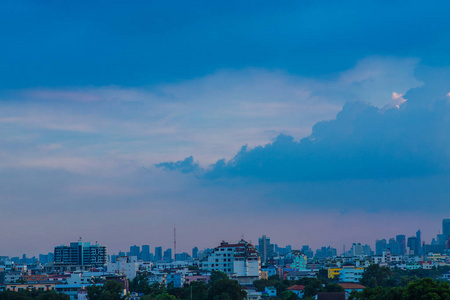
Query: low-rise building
x: 199, y: 278
x: 350, y: 274
x: 351, y: 287
x: 271, y: 291
x: 41, y: 286
x: 299, y: 290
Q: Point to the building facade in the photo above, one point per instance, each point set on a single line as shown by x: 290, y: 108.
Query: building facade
x: 240, y: 260
x: 81, y: 253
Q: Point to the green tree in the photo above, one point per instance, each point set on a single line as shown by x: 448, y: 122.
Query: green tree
x: 217, y: 275
x: 427, y: 289
x: 288, y: 295
x: 221, y: 289
x: 313, y: 287
x: 52, y: 295
x: 261, y: 284
x: 378, y: 293
x: 31, y: 295
x: 140, y: 284
x: 198, y: 290
x: 333, y: 288
x: 374, y: 276
x: 322, y: 275
x: 165, y: 296
x: 111, y: 290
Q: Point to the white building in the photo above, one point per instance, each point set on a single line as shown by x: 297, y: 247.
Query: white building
x: 239, y: 260
x: 127, y: 266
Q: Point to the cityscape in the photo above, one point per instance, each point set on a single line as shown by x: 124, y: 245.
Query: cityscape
x: 75, y: 268
x: 224, y: 150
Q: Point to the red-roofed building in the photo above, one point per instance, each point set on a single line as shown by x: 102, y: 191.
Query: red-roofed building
x: 299, y: 290
x: 350, y: 287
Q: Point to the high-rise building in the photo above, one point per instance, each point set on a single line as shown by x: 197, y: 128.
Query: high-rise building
x: 325, y: 252
x: 394, y: 246
x: 181, y: 256
x: 367, y: 250
x: 265, y: 248
x: 135, y: 251
x: 168, y: 255
x: 380, y: 246
x: 401, y: 240
x: 446, y: 228
x: 307, y: 251
x: 419, y: 242
x: 145, y: 254
x: 158, y: 254
x: 412, y: 245
x: 195, y: 252
x: 81, y: 253
x: 357, y: 249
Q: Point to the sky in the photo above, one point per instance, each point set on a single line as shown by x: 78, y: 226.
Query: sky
x: 312, y: 122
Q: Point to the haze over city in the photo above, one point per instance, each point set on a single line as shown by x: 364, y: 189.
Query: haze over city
x: 314, y: 123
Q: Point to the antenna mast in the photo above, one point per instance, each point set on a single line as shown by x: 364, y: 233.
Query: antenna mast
x: 174, y: 243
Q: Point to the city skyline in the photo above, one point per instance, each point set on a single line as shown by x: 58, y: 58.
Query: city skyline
x: 135, y: 249
x: 310, y: 122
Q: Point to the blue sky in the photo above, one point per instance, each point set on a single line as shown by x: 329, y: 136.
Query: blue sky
x: 306, y: 112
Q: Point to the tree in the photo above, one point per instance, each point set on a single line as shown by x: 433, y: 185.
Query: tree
x: 52, y: 295
x: 313, y: 287
x: 288, y: 295
x: 140, y: 284
x: 378, y: 293
x: 427, y: 289
x: 333, y: 288
x: 197, y: 289
x: 221, y: 289
x: 261, y: 284
x: 217, y: 275
x: 111, y: 290
x: 374, y: 276
x: 322, y: 275
x: 33, y: 294
x: 165, y: 296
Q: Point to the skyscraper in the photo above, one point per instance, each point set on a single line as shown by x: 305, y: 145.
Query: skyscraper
x: 412, y: 245
x: 401, y: 240
x: 380, y: 246
x: 158, y: 254
x: 419, y: 242
x: 195, y: 252
x: 135, y: 251
x: 446, y: 228
x: 265, y: 248
x: 145, y: 254
x: 168, y: 255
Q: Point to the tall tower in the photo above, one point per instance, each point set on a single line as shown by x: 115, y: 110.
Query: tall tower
x: 174, y: 243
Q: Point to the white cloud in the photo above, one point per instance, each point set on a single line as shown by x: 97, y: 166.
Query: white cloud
x: 209, y: 117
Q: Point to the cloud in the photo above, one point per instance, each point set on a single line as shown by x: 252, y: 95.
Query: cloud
x: 186, y: 166
x: 362, y: 142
